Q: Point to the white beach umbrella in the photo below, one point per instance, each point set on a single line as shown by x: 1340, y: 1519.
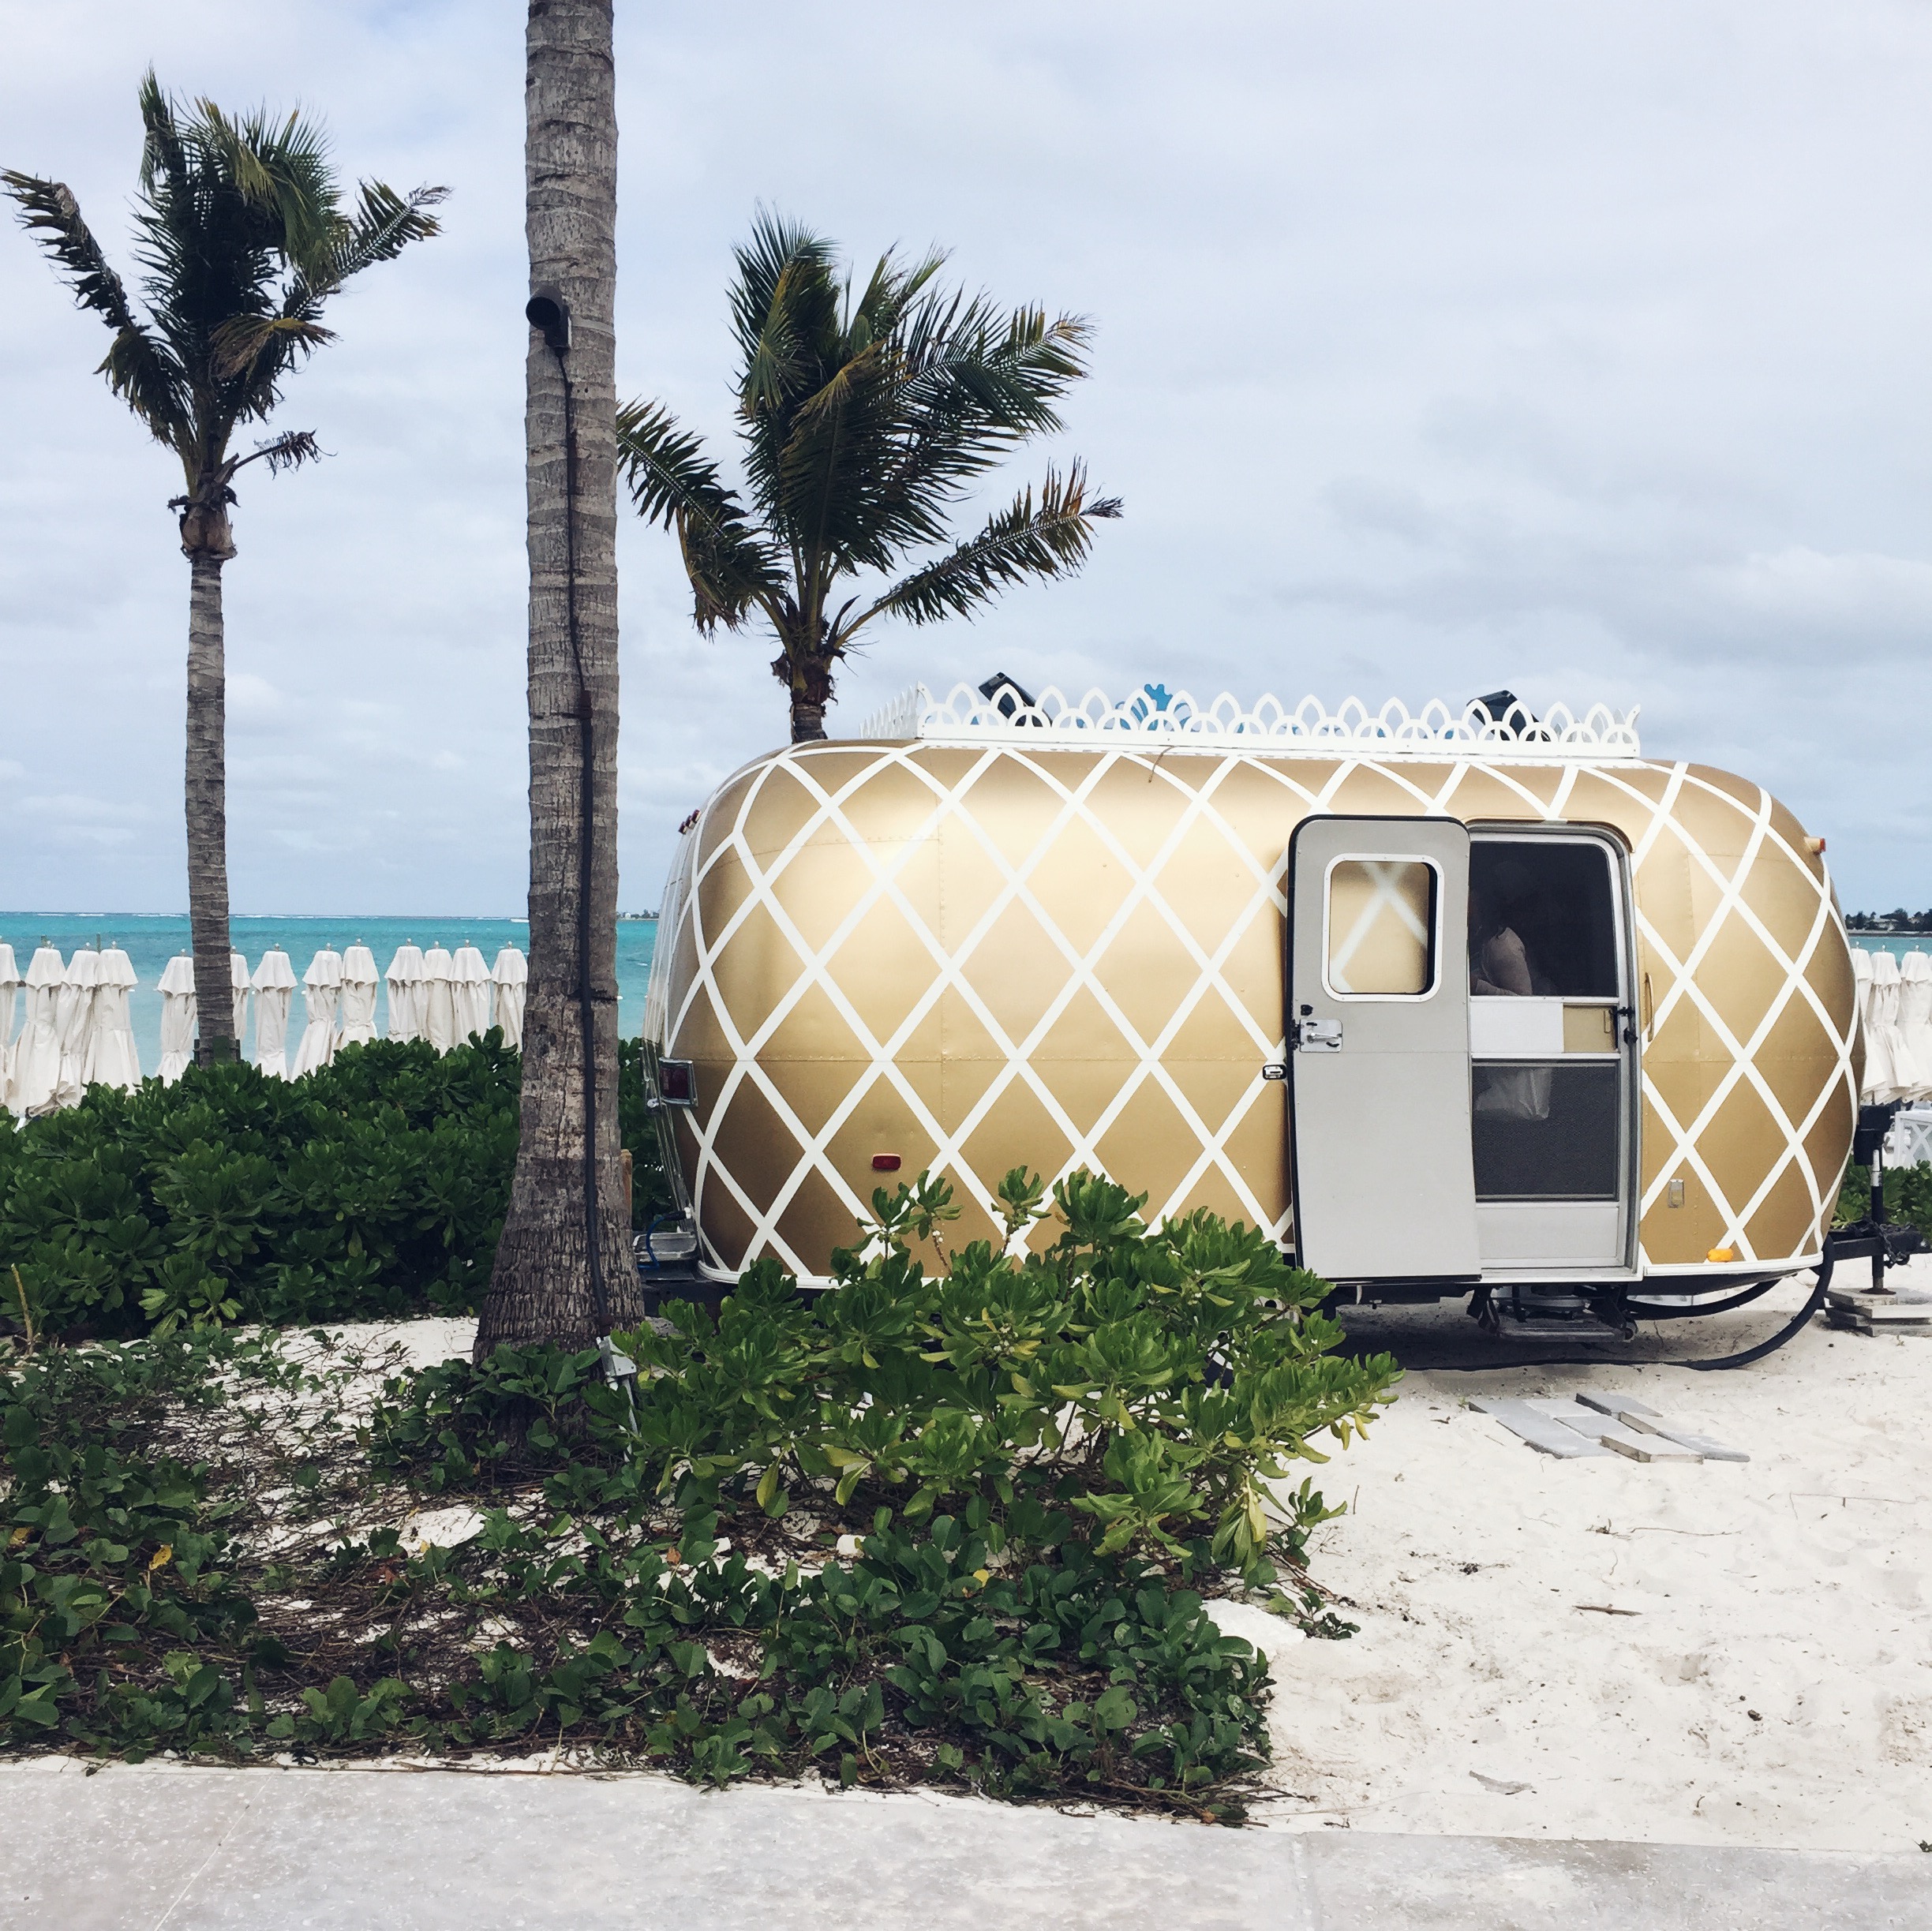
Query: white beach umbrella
x: 510, y: 975
x: 74, y: 1011
x: 177, y: 1018
x: 1915, y: 1020
x: 274, y: 985
x: 112, y: 1057
x: 470, y: 992
x: 1888, y: 1071
x: 439, y: 1010
x: 1861, y: 1007
x: 238, y: 978
x: 36, y: 1053
x: 324, y: 980
x: 406, y: 992
x: 358, y: 997
x: 9, y: 1000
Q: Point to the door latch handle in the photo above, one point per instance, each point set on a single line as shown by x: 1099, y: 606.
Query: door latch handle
x: 1317, y: 1035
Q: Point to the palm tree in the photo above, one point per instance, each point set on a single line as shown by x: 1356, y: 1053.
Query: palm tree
x: 242, y: 240
x: 864, y: 422
x: 564, y: 1270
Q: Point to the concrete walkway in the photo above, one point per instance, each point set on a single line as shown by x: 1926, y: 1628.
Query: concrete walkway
x: 164, y: 1848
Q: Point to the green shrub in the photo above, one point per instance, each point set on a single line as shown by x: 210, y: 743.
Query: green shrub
x: 1908, y: 1196
x: 113, y: 1550
x: 374, y: 1187
x: 1044, y: 1463
x: 1153, y: 1381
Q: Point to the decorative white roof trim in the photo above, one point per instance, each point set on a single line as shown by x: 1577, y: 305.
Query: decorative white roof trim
x: 1310, y: 729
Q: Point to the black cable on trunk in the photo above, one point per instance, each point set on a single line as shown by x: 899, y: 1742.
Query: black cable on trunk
x: 586, y: 1008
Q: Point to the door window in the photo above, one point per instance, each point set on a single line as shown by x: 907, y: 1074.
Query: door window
x: 1380, y: 928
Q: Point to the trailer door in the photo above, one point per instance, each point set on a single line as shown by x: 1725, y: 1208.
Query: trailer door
x: 1379, y: 1048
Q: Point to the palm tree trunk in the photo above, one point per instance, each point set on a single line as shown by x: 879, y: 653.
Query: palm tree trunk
x: 810, y: 677
x: 542, y: 1286
x: 207, y: 795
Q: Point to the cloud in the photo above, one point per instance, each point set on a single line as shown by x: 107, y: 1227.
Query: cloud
x: 1862, y: 599
x: 1438, y: 348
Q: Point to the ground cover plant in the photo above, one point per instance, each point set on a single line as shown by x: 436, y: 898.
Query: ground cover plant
x: 954, y: 1527
x: 1908, y: 1196
x: 371, y: 1187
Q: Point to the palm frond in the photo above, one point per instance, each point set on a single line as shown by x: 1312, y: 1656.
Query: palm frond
x: 51, y: 214
x: 893, y: 290
x: 288, y: 450
x: 384, y: 224
x: 674, y: 483
x: 867, y: 466
x: 866, y: 411
x: 839, y: 386
x: 971, y: 386
x: 668, y: 470
x: 1044, y: 539
x: 280, y: 170
x: 240, y: 238
x: 781, y: 266
x: 238, y: 347
x: 137, y: 367
x: 785, y: 313
x: 164, y: 157
x: 146, y: 376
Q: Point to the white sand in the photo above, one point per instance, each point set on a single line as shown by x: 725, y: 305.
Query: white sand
x: 423, y: 1344
x: 1794, y: 1586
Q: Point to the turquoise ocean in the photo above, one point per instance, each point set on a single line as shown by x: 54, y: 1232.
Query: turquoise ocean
x: 150, y: 943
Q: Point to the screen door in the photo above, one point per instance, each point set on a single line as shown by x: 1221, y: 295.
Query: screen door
x: 1378, y: 1048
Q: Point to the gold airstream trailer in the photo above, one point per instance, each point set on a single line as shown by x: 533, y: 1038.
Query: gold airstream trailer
x: 1445, y: 1000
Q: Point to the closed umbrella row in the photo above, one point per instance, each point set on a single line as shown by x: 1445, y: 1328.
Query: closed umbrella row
x: 75, y: 1030
x: 1895, y: 1016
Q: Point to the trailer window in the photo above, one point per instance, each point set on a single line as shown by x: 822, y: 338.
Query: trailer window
x: 1542, y: 918
x: 1380, y: 939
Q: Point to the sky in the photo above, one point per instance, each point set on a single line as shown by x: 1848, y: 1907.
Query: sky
x: 1578, y: 349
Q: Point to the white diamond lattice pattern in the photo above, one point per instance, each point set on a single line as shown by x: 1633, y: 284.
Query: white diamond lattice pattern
x: 1712, y: 843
